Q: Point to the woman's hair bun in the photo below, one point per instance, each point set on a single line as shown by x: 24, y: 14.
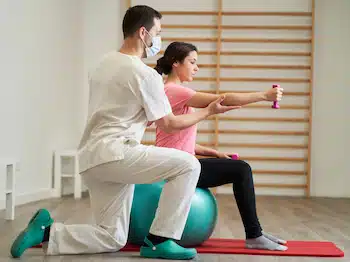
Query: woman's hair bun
x: 163, y: 66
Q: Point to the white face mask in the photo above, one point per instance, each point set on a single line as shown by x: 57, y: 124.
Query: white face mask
x: 156, y: 46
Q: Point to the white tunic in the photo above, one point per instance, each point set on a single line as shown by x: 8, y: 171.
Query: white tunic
x: 124, y: 95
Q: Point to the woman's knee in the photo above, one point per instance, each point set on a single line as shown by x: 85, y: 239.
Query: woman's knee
x: 246, y: 173
x: 245, y: 167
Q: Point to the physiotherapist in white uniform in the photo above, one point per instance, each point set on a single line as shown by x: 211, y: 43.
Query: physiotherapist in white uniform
x: 125, y: 95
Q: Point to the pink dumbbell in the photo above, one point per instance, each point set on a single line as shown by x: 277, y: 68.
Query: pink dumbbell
x: 235, y: 156
x: 275, y: 103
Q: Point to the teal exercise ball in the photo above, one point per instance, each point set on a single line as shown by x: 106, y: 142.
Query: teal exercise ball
x: 200, y: 223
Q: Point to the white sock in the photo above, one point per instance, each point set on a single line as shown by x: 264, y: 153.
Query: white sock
x: 263, y: 242
x: 274, y: 239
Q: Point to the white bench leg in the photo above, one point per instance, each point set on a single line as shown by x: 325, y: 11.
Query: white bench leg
x: 10, y: 206
x: 58, y: 176
x: 10, y: 192
x: 77, y: 179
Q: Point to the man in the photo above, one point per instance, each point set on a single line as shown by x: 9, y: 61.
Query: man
x: 125, y: 95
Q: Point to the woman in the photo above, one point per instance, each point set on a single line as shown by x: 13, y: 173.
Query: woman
x: 179, y: 64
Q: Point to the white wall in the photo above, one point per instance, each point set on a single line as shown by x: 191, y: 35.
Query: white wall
x: 102, y: 32
x: 41, y: 75
x: 331, y: 125
x: 47, y: 48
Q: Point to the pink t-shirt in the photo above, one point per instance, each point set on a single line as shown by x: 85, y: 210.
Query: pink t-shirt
x: 185, y: 139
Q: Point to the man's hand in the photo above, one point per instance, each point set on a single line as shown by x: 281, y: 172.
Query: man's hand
x: 274, y: 94
x: 216, y: 107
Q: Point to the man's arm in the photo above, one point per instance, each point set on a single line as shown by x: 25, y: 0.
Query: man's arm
x: 172, y: 123
x: 158, y: 109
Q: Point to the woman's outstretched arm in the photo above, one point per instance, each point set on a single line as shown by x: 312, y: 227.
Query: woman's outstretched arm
x: 201, y: 100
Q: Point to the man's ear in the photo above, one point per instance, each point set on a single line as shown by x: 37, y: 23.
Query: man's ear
x: 142, y: 32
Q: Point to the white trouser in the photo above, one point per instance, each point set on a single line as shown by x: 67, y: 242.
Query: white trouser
x: 111, y: 189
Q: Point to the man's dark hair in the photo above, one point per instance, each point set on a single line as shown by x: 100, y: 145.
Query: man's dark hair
x: 139, y: 16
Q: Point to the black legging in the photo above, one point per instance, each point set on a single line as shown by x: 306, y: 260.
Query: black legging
x: 219, y: 171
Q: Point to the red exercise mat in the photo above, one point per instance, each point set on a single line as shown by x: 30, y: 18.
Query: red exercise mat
x: 234, y: 246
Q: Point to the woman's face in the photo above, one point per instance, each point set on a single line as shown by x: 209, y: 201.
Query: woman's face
x: 188, y: 68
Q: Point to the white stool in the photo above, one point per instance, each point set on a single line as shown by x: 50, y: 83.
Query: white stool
x: 58, y: 175
x: 10, y: 165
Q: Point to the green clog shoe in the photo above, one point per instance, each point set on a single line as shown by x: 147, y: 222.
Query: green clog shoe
x: 33, y: 234
x: 167, y: 250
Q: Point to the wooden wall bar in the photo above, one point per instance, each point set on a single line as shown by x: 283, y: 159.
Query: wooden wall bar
x: 243, y: 51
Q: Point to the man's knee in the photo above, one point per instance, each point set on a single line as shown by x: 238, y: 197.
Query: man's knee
x: 120, y: 236
x: 193, y: 164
